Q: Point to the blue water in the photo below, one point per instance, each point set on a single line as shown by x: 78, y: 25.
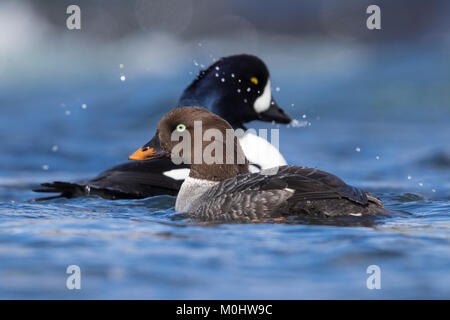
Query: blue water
x: 394, y: 108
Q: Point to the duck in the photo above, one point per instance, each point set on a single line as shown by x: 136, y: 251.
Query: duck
x: 238, y: 89
x: 223, y: 190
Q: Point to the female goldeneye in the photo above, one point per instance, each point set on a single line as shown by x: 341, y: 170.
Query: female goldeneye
x: 223, y: 190
x: 238, y: 89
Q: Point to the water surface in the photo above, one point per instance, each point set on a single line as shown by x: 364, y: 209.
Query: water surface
x: 370, y: 127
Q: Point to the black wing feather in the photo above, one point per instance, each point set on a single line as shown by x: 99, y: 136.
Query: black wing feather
x: 307, y: 184
x: 131, y: 180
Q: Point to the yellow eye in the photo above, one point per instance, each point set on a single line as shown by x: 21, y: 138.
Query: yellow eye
x: 181, y: 127
x: 254, y: 80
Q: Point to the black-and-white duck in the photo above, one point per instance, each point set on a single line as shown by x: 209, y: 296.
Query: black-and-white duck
x: 238, y: 89
x: 227, y: 191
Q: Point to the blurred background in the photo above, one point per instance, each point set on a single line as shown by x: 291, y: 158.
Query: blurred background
x: 372, y: 106
x: 131, y: 60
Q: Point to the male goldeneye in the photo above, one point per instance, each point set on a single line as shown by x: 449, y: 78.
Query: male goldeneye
x: 238, y: 89
x: 225, y: 190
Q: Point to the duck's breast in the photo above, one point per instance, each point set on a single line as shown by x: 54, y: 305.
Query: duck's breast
x: 260, y: 152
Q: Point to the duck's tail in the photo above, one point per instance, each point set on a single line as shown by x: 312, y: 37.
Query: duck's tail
x: 65, y: 189
x: 374, y: 199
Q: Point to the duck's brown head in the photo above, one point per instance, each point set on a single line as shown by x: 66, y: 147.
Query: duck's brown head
x: 200, y: 138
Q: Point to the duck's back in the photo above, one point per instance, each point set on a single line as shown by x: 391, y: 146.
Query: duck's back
x: 291, y: 190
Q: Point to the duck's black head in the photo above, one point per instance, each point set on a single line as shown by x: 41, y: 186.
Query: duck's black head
x: 238, y: 89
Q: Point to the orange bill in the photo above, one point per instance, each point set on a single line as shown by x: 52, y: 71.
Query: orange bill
x: 143, y: 153
x: 150, y: 150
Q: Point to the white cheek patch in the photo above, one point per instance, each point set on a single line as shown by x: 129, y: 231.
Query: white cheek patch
x: 262, y: 103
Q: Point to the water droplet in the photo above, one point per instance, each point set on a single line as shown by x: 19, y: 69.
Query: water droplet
x: 272, y: 102
x: 83, y: 106
x: 55, y: 148
x: 357, y: 149
x: 292, y: 105
x: 45, y: 167
x: 195, y: 63
x: 304, y: 116
x: 239, y: 90
x: 409, y: 177
x: 122, y: 78
x: 223, y: 79
x: 421, y: 184
x: 377, y: 157
x: 121, y: 66
x: 232, y: 75
x: 248, y: 89
x: 297, y: 124
x: 433, y: 190
x: 217, y: 75
x: 217, y: 68
x: 67, y: 112
x: 245, y: 100
x: 277, y: 89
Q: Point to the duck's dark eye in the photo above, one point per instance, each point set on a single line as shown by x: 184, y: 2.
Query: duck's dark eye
x: 254, y: 80
x: 181, y: 127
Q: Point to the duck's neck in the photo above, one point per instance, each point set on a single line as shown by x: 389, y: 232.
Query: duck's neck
x: 201, y: 179
x: 217, y: 172
x: 204, y: 92
x: 228, y: 167
x: 191, y: 190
